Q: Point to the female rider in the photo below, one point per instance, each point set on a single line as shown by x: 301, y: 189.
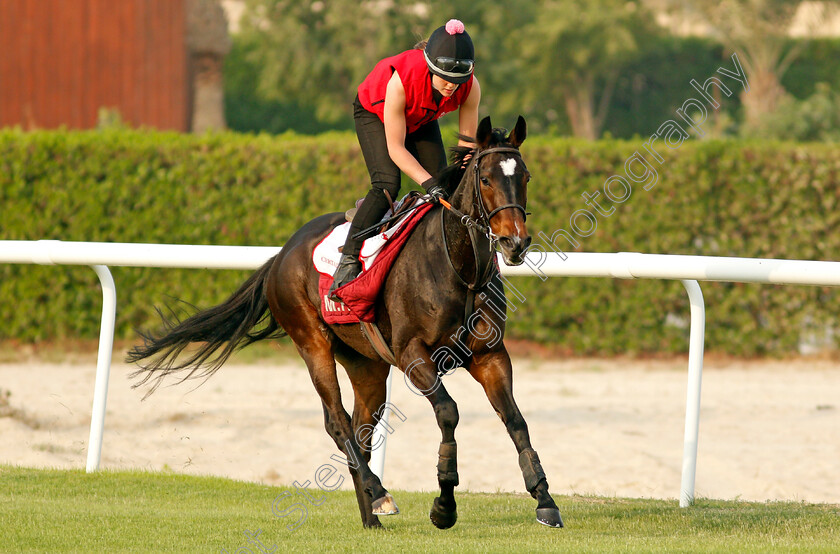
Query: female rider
x: 396, y: 112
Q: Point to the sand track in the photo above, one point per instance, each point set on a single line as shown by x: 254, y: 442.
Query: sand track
x: 768, y: 430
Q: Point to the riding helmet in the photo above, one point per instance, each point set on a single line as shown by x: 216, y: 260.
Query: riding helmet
x: 449, y: 53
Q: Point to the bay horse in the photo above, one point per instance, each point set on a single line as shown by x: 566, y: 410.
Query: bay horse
x: 436, y: 302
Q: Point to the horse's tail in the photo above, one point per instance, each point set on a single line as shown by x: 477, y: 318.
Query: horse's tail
x: 228, y: 326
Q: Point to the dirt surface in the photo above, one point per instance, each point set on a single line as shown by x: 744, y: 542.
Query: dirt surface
x: 768, y: 429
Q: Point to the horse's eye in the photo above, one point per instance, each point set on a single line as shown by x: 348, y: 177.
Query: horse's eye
x: 485, y: 181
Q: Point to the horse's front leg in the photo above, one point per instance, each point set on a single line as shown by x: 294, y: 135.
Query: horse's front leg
x: 421, y: 372
x: 495, y: 373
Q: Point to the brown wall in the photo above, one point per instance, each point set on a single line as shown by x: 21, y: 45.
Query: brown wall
x: 63, y: 60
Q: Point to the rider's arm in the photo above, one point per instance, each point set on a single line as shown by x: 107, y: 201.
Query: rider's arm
x: 395, y: 131
x: 468, y: 114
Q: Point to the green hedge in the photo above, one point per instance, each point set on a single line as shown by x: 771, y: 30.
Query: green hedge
x: 712, y: 198
x: 127, y: 186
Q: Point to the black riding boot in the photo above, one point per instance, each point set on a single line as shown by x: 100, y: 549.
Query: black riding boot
x: 349, y: 267
x: 369, y: 213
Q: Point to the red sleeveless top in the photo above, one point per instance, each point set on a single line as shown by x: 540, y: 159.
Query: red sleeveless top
x: 420, y: 105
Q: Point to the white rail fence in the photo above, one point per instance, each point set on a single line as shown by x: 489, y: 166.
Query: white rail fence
x: 622, y: 265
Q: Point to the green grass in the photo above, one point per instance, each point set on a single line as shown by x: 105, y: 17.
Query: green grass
x: 71, y: 511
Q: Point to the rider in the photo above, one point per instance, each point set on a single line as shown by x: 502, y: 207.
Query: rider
x: 396, y: 111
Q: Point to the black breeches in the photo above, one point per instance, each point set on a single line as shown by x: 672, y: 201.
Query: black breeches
x: 425, y: 144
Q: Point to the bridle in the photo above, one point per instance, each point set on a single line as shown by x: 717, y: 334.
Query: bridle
x: 482, y: 224
x: 479, y: 200
x: 486, y: 266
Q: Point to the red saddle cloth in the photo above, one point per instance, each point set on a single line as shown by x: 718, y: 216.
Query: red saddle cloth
x: 359, y: 295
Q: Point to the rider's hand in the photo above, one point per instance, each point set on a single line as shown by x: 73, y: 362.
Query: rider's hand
x: 437, y: 193
x: 434, y: 190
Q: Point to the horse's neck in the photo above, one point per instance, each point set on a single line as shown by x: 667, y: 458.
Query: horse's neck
x: 458, y: 240
x: 462, y: 198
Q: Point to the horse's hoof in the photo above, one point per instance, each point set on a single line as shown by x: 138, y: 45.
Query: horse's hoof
x: 441, y: 517
x: 385, y: 506
x: 549, y: 517
x: 373, y: 524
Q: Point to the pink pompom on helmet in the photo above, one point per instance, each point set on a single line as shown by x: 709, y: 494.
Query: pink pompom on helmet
x: 454, y: 27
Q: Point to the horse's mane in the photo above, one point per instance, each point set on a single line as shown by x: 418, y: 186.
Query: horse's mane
x: 450, y: 176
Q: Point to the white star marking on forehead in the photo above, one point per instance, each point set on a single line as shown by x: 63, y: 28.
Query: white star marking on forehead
x: 508, y: 166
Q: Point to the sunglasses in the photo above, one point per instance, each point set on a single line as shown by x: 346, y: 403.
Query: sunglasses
x: 454, y: 65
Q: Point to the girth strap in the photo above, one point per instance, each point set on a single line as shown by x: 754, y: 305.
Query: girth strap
x: 377, y: 341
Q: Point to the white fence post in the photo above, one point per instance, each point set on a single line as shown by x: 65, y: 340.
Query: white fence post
x: 103, y: 366
x: 692, y: 403
x: 377, y: 457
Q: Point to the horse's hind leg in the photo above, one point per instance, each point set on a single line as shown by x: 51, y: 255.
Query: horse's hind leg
x: 369, y: 388
x: 495, y: 374
x: 316, y: 351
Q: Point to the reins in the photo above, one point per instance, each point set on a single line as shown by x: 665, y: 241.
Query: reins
x: 374, y: 229
x: 481, y: 224
x: 485, y: 259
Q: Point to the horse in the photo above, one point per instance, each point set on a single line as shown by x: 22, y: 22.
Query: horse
x: 442, y: 305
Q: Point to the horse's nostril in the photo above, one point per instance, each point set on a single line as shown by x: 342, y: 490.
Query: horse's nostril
x: 506, y: 242
x: 514, y: 242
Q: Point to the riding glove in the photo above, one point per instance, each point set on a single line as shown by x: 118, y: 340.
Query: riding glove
x: 434, y: 190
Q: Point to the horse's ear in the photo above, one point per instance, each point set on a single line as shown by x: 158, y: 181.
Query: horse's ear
x: 484, y: 133
x: 517, y: 136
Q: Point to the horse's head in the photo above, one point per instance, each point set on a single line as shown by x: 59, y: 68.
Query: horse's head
x: 501, y: 183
